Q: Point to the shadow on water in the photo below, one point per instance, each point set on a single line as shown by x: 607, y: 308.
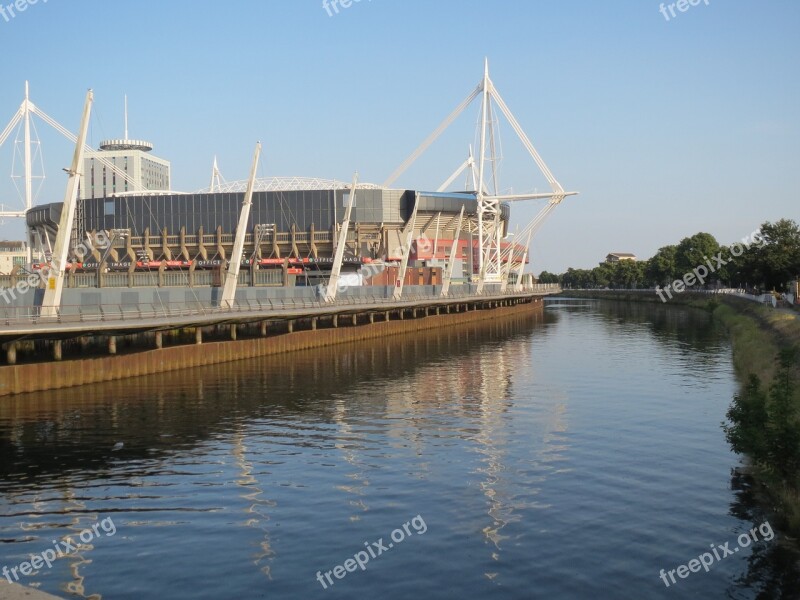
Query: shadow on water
x: 690, y: 326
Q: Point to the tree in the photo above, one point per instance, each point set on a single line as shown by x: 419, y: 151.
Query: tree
x: 577, y: 278
x: 770, y: 262
x: 748, y: 421
x: 782, y: 424
x: 546, y: 277
x: 779, y: 257
x: 661, y: 269
x: 695, y: 251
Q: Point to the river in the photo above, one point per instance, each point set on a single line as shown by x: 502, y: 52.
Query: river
x: 569, y: 453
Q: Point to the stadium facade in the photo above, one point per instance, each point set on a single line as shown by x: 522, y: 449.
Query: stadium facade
x: 293, y: 221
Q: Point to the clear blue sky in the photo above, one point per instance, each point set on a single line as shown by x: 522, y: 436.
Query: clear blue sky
x: 665, y: 127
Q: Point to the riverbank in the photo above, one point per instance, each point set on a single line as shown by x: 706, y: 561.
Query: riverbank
x: 758, y: 335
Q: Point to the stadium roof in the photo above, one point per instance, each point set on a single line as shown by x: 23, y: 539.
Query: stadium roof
x: 287, y: 184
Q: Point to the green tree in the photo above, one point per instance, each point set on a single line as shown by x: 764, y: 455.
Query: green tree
x: 695, y: 251
x: 782, y: 422
x: 662, y: 269
x: 603, y: 275
x: 747, y: 418
x: 577, y: 278
x: 779, y: 257
x: 546, y: 277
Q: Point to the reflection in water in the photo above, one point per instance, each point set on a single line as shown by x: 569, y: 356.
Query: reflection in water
x: 540, y: 449
x: 774, y: 567
x: 256, y: 505
x: 491, y: 377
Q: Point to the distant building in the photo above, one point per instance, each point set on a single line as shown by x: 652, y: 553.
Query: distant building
x: 618, y: 256
x: 12, y: 254
x: 131, y: 156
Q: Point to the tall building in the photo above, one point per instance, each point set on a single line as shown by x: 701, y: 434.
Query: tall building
x: 131, y: 156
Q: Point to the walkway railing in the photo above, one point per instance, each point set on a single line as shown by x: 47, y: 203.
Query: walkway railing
x: 257, y: 307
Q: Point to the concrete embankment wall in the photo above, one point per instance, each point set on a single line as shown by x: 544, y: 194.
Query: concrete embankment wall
x: 34, y: 377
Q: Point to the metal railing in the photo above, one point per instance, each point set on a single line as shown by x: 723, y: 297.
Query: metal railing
x: 28, y: 315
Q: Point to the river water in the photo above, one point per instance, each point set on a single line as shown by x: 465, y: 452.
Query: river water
x: 569, y: 453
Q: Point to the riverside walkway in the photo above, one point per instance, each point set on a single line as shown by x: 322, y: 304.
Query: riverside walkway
x: 24, y: 324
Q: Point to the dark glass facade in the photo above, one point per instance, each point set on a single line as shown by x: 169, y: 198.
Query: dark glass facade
x: 323, y: 208
x: 301, y: 208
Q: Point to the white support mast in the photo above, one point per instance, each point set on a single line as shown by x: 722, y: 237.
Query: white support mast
x: 228, y: 299
x: 489, y: 212
x: 448, y: 276
x: 470, y: 164
x: 336, y: 269
x: 408, y: 240
x: 28, y: 169
x: 518, y: 285
x: 489, y: 224
x: 55, y: 280
x: 436, y: 239
x: 215, y: 177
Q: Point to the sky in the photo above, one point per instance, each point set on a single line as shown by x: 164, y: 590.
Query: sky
x: 666, y: 125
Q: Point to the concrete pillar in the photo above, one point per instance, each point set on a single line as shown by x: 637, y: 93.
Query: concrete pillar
x: 233, y: 331
x: 263, y: 329
x: 400, y: 313
x: 371, y: 317
x: 290, y: 326
x: 159, y: 340
x: 11, y: 353
x: 437, y: 311
x: 313, y: 323
x: 112, y: 344
x: 57, y: 350
x: 386, y: 316
x: 355, y: 319
x: 198, y: 335
x: 334, y: 321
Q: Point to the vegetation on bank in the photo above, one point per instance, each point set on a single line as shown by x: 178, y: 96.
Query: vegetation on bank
x: 764, y: 260
x: 764, y: 417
